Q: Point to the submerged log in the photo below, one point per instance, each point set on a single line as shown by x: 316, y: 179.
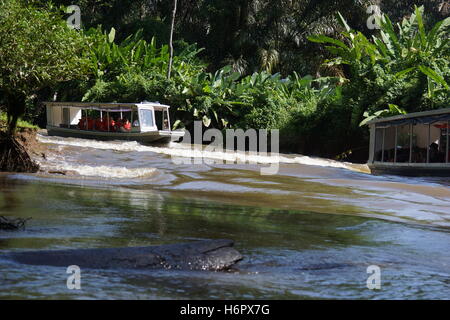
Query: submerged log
x: 215, y: 255
x: 7, y: 223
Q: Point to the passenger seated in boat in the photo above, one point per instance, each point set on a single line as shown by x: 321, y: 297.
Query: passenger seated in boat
x: 136, y: 123
x: 90, y: 123
x: 82, y: 123
x: 126, y: 126
x: 436, y: 156
x: 112, y: 125
x: 118, y: 124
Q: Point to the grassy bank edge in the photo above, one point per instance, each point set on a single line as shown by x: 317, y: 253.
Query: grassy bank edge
x: 21, y: 124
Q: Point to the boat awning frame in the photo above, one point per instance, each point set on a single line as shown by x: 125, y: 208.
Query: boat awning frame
x: 111, y: 107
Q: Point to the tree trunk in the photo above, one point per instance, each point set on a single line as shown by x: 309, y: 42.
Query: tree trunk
x: 174, y: 12
x: 13, y: 156
x: 15, y: 105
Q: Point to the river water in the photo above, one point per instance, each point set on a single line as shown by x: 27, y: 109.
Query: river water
x: 310, y: 231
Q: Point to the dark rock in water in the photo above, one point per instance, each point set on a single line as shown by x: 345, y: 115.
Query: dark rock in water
x: 14, y: 155
x: 216, y: 255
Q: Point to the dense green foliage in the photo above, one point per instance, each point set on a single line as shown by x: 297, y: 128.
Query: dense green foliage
x: 404, y: 67
x: 250, y: 35
x: 408, y: 66
x: 135, y: 70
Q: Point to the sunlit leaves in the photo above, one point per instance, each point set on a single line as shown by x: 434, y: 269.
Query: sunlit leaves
x: 37, y: 49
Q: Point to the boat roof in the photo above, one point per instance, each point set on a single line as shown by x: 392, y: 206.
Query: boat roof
x: 112, y: 105
x: 416, y: 117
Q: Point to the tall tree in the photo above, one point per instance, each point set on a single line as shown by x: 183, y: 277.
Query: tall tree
x: 37, y: 49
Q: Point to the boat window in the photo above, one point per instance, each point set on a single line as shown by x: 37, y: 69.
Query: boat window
x: 386, y: 144
x: 66, y: 117
x: 135, y: 119
x: 378, y: 144
x: 441, y: 148
x: 146, y: 118
x: 158, y: 119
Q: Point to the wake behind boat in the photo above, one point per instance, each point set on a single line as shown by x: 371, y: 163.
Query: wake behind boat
x: 145, y: 122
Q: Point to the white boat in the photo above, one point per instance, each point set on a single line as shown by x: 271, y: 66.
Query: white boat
x: 416, y: 144
x: 145, y: 122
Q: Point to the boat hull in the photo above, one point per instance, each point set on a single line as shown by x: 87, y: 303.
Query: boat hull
x: 157, y: 137
x: 411, y: 169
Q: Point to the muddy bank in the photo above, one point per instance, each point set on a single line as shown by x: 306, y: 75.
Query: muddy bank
x: 21, y: 152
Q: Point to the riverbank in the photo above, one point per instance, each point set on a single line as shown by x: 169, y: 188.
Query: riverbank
x: 27, y: 137
x: 301, y: 237
x: 19, y: 153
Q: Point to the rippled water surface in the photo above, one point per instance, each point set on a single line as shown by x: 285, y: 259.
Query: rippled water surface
x: 311, y: 231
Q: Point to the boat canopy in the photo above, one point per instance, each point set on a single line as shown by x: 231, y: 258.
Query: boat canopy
x: 427, y: 117
x: 415, y: 138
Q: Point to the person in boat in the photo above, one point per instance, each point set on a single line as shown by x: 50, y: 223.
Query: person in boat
x: 126, y: 126
x: 105, y: 124
x: 136, y: 123
x: 82, y: 123
x: 166, y: 124
x: 90, y: 123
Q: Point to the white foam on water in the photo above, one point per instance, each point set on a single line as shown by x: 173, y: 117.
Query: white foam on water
x: 55, y: 163
x: 186, y: 151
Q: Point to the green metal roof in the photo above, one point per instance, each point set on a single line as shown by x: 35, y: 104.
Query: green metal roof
x: 103, y: 105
